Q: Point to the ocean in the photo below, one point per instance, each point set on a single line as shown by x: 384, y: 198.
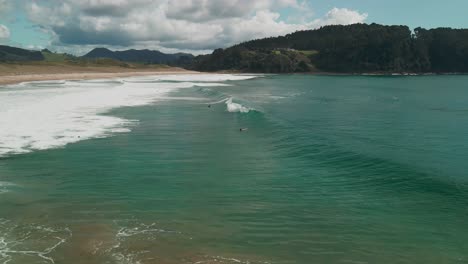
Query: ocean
x: 284, y: 169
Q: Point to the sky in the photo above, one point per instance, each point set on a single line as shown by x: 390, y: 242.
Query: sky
x: 199, y: 26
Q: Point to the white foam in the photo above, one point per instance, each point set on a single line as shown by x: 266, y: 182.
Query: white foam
x: 235, y: 107
x: 125, y: 236
x: 15, y: 241
x: 37, y: 119
x: 140, y: 230
x: 205, y: 84
x: 206, y: 77
x: 4, y: 186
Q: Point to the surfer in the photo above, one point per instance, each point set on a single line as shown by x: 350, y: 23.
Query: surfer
x: 209, y: 106
x: 242, y: 129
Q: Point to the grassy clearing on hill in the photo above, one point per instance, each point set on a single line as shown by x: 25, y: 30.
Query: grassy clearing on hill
x: 70, y: 60
x: 308, y: 52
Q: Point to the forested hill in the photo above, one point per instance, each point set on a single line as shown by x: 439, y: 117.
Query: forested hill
x: 101, y: 56
x: 8, y: 53
x: 141, y: 56
x: 354, y: 48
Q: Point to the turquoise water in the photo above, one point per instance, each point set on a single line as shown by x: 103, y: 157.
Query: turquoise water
x: 331, y: 170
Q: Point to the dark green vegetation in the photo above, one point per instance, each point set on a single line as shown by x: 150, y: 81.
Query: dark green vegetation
x: 354, y: 48
x: 142, y: 56
x: 241, y: 58
x: 16, y: 54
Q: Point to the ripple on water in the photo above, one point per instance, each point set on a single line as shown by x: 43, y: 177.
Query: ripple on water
x: 5, y: 186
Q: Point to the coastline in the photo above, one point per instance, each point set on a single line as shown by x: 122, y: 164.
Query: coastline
x: 85, y: 73
x: 77, y: 73
x: 324, y: 73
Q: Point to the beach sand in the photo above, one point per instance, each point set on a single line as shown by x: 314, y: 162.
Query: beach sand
x: 12, y: 74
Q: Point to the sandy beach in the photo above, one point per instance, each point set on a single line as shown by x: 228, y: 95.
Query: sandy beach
x: 12, y: 74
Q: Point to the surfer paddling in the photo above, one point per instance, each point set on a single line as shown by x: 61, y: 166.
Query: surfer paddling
x: 242, y: 129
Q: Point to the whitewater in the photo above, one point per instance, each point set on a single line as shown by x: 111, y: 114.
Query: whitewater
x: 52, y: 114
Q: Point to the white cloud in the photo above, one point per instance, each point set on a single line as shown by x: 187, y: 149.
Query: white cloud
x: 268, y: 24
x: 4, y: 32
x: 262, y: 24
x: 341, y: 16
x: 207, y: 10
x: 174, y: 24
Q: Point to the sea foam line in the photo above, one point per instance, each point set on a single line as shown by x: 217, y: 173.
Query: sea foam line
x: 8, y: 247
x: 207, y: 77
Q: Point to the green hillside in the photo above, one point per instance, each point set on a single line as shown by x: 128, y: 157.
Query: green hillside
x: 354, y: 48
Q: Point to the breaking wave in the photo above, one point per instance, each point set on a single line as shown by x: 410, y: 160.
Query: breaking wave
x: 235, y: 107
x: 48, y: 115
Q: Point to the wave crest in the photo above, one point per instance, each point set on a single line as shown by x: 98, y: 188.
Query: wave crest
x: 235, y: 107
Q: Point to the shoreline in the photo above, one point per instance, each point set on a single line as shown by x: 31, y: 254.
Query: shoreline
x: 319, y: 73
x: 89, y: 74
x: 390, y: 74
x: 21, y: 78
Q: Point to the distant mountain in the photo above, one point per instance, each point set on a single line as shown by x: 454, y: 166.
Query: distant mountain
x: 8, y: 53
x: 142, y: 56
x: 357, y: 48
x: 13, y: 54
